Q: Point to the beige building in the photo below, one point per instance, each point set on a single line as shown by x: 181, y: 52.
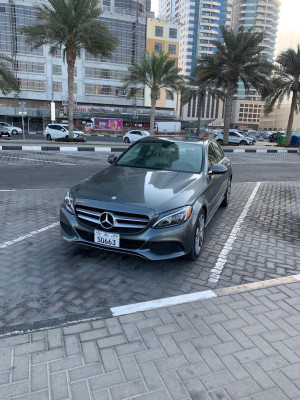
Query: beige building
x: 163, y: 36
x: 278, y: 119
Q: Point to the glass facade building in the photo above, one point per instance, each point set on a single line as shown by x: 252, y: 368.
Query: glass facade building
x: 97, y: 80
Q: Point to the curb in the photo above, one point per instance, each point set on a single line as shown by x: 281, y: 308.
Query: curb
x: 121, y: 149
x: 145, y: 306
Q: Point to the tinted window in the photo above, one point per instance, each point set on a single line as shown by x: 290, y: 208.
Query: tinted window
x: 218, y: 152
x: 170, y: 156
x: 233, y: 134
x: 211, y: 155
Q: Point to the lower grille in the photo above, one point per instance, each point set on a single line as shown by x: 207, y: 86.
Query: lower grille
x: 123, y: 222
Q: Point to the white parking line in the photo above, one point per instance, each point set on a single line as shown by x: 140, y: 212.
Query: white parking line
x: 28, y: 235
x: 221, y: 261
x: 166, y: 302
x: 7, y: 190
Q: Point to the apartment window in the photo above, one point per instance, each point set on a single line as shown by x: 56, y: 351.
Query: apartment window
x: 173, y: 33
x: 159, y: 31
x: 172, y: 49
x: 169, y: 96
x: 33, y: 85
x: 56, y: 69
x: 27, y: 66
x: 157, y: 47
x: 57, y: 86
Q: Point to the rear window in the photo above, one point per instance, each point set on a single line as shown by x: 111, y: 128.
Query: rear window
x: 170, y: 156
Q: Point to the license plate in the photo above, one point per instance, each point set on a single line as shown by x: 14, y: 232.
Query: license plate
x: 107, y: 239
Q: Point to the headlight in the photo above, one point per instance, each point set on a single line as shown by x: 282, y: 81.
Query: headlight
x: 173, y: 217
x: 69, y: 203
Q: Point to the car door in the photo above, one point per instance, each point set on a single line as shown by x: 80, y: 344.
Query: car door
x: 212, y: 181
x: 234, y: 137
x: 222, y: 178
x: 135, y: 135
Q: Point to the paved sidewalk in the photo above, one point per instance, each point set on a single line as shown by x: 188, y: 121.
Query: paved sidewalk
x: 243, y: 344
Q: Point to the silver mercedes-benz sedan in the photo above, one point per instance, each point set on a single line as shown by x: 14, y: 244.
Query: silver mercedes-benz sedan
x: 154, y: 200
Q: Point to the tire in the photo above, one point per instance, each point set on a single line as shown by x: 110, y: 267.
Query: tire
x: 198, y: 237
x: 227, y: 194
x: 14, y: 132
x: 67, y: 137
x: 220, y: 142
x: 48, y: 137
x: 126, y: 140
x: 243, y: 143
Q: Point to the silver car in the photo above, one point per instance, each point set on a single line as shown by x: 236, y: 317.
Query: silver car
x: 236, y: 138
x: 154, y: 200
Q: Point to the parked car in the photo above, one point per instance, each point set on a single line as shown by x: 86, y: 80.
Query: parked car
x: 154, y: 200
x: 5, y: 127
x: 273, y: 137
x: 58, y: 131
x: 135, y: 135
x: 235, y: 138
x: 5, y: 134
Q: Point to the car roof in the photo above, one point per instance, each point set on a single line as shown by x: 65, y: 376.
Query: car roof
x: 155, y: 139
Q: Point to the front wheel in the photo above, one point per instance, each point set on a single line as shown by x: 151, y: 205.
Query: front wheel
x: 226, y: 199
x: 243, y: 143
x: 220, y: 141
x: 126, y: 140
x: 48, y: 137
x: 198, y: 237
x: 14, y: 132
x: 67, y: 137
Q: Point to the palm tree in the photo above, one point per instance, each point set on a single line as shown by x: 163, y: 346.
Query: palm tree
x: 237, y: 57
x: 285, y: 80
x: 156, y: 71
x: 198, y: 90
x: 8, y: 81
x: 72, y: 25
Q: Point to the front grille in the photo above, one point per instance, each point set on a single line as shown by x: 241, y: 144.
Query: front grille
x: 124, y: 222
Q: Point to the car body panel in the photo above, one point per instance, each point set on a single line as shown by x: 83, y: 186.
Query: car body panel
x: 235, y: 137
x: 5, y: 127
x: 150, y: 192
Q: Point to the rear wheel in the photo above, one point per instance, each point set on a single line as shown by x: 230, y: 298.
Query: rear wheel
x: 14, y: 132
x: 48, y: 137
x: 220, y: 141
x: 67, y: 137
x: 226, y: 200
x: 198, y: 237
x: 243, y: 143
x: 126, y: 140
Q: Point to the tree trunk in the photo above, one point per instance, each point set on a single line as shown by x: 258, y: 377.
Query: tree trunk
x: 71, y: 58
x: 153, y: 106
x: 228, y: 106
x: 200, y: 100
x: 291, y: 119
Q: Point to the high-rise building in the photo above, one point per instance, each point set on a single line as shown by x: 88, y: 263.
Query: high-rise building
x: 200, y: 26
x: 97, y: 80
x: 262, y: 15
x: 163, y: 36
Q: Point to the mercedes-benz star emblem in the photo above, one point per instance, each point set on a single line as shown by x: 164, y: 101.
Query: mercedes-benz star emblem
x: 107, y: 220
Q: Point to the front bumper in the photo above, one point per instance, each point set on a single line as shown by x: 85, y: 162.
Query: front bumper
x: 152, y: 244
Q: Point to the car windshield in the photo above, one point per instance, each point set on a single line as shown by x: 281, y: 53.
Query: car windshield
x: 170, y: 156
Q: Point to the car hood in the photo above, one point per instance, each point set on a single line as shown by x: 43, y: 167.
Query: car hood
x: 134, y: 189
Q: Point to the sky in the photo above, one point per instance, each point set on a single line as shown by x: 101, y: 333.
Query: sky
x: 154, y: 5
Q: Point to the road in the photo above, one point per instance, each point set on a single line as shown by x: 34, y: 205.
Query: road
x: 44, y: 280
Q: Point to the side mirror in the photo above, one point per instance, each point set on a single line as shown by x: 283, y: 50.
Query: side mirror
x: 112, y: 158
x: 217, y: 169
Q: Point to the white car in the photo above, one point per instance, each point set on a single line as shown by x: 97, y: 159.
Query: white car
x: 235, y: 137
x: 5, y: 127
x: 135, y: 135
x: 58, y: 131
